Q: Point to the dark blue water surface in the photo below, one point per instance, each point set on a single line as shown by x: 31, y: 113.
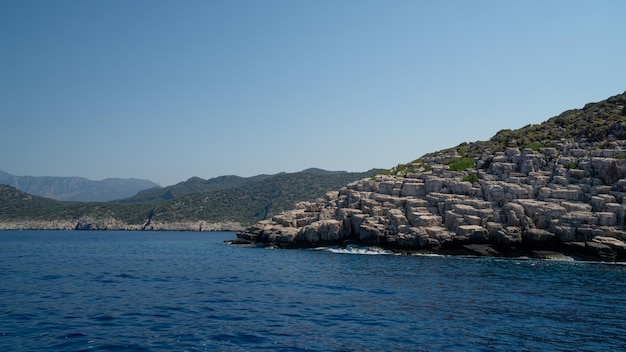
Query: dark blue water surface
x: 176, y: 291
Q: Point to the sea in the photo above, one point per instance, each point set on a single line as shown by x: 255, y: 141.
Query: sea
x: 191, y: 291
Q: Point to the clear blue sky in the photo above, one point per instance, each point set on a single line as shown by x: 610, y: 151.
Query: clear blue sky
x: 167, y: 90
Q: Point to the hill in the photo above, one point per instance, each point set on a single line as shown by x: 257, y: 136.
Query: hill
x: 193, y: 185
x: 20, y: 210
x: 256, y: 200
x: 226, y: 202
x: 556, y: 186
x: 76, y: 188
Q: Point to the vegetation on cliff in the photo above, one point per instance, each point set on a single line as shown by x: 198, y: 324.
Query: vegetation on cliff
x: 595, y: 126
x: 559, y: 185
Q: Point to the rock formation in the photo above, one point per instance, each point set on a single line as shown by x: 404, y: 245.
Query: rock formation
x: 564, y: 192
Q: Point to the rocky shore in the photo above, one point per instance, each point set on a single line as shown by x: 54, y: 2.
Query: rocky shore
x: 569, y: 199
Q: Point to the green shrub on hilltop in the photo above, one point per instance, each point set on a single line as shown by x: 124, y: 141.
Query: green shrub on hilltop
x: 463, y: 149
x: 595, y: 123
x: 403, y: 169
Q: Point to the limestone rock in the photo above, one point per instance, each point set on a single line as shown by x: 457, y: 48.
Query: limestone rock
x: 615, y: 244
x: 600, y: 250
x: 484, y: 250
x: 538, y: 238
x: 319, y: 231
x: 510, y: 237
x: 569, y: 196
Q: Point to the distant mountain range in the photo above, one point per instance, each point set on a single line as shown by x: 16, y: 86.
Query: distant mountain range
x: 77, y: 188
x: 224, y: 199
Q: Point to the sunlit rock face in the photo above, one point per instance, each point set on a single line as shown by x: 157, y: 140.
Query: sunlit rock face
x: 564, y: 194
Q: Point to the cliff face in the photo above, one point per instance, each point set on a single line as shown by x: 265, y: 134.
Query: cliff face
x: 559, y: 186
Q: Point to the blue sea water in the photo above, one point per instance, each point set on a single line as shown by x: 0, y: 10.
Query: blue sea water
x: 186, y: 291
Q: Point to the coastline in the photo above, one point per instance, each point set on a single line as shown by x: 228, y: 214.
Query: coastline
x: 565, y: 253
x: 114, y: 225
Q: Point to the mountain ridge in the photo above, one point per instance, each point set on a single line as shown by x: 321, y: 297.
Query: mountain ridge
x: 553, y: 189
x: 193, y: 185
x: 225, y: 202
x: 77, y: 188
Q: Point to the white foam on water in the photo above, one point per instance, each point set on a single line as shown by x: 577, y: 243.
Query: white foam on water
x: 434, y: 255
x: 560, y: 259
x: 352, y: 249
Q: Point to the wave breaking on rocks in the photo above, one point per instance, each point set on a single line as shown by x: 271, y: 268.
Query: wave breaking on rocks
x: 566, y: 197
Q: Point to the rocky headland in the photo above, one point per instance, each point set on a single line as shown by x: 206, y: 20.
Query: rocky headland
x: 549, y: 190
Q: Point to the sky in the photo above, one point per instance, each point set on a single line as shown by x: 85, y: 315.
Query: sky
x: 168, y: 90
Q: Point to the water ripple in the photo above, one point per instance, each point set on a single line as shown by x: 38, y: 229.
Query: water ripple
x: 189, y: 291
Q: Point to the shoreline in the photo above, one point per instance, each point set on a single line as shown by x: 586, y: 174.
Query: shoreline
x: 466, y: 251
x: 113, y: 225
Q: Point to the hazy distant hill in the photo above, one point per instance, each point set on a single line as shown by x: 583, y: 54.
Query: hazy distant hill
x: 13, y: 201
x: 77, y: 188
x: 18, y: 206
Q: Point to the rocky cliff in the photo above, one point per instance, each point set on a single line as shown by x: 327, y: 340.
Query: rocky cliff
x: 559, y: 186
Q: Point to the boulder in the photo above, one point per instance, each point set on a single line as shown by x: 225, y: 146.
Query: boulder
x: 509, y: 237
x: 371, y: 231
x: 352, y: 221
x: 433, y: 184
x: 566, y: 233
x: 513, y: 212
x: 415, y: 238
x: 320, y: 231
x: 413, y: 189
x: 616, y: 245
x: 609, y: 170
x: 606, y: 218
x: 600, y: 250
x: 550, y: 255
x: 396, y: 219
x: 540, y: 212
x: 285, y: 235
x: 483, y: 250
x: 577, y: 219
x: 427, y: 220
x: 538, y: 238
x: 576, y: 206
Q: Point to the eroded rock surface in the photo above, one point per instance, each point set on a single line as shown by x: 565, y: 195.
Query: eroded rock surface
x: 569, y: 198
